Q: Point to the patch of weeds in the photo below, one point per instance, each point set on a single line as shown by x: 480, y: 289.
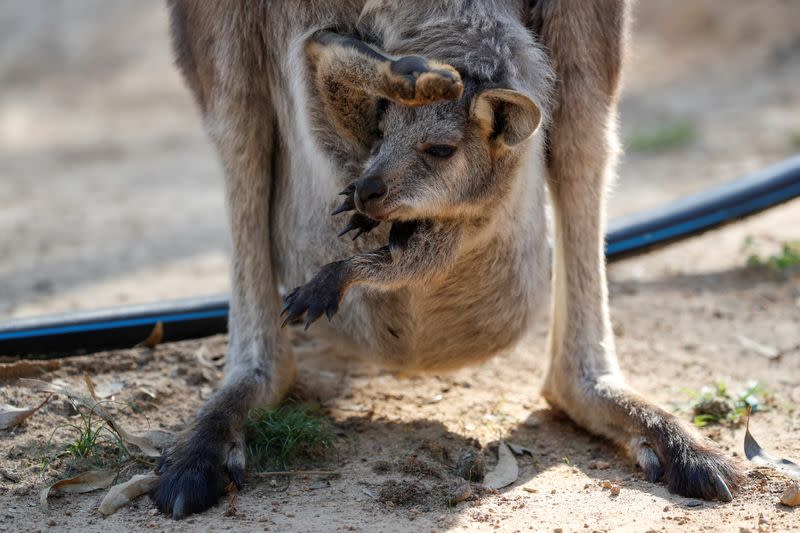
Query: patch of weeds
x: 91, y: 442
x: 286, y: 436
x: 787, y: 259
x: 718, y: 406
x: 665, y: 137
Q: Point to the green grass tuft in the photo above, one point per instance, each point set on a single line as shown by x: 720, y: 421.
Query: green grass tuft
x: 92, y: 443
x: 718, y: 406
x: 290, y: 435
x: 662, y: 138
x: 787, y: 259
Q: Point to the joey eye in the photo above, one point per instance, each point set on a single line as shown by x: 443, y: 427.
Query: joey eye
x: 440, y: 150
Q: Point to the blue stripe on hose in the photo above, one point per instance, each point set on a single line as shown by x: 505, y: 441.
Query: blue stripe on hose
x: 705, y: 221
x: 113, y: 324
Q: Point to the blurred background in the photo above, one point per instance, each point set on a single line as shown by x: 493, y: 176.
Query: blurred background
x: 111, y: 194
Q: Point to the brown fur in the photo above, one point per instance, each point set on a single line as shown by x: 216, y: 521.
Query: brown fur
x: 297, y: 116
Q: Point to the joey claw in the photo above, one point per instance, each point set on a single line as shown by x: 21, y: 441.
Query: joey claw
x: 330, y: 310
x: 349, y: 190
x: 321, y: 294
x: 348, y: 205
x: 362, y: 223
x: 312, y: 314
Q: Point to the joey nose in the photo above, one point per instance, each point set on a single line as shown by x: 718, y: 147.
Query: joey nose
x: 369, y: 190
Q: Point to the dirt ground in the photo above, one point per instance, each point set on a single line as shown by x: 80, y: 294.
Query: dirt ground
x: 99, y: 142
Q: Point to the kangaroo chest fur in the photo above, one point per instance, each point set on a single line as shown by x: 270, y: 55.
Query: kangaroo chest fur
x: 487, y: 296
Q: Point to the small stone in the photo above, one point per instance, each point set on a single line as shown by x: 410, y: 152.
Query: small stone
x: 458, y: 491
x: 694, y: 503
x: 791, y: 496
x: 761, y: 520
x: 615, y: 490
x: 51, y: 522
x: 599, y: 465
x: 606, y: 484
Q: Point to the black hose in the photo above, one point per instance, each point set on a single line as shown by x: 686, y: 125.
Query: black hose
x: 123, y: 327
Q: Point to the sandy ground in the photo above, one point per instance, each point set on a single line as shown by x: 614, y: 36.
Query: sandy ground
x: 99, y: 142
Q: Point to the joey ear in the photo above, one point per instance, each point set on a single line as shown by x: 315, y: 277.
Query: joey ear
x: 508, y: 117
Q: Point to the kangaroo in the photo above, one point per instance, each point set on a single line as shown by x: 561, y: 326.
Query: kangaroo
x: 439, y: 123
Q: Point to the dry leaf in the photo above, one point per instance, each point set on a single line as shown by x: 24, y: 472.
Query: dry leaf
x: 25, y: 368
x: 520, y: 450
x: 155, y: 337
x: 124, y: 493
x: 160, y: 438
x: 86, y: 482
x: 11, y: 416
x: 758, y: 456
x: 143, y: 443
x: 506, y: 471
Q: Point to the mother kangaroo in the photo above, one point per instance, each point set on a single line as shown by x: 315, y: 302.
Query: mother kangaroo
x: 440, y: 121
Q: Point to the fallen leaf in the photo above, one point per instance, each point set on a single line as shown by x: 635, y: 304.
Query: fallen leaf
x: 11, y: 416
x: 519, y: 450
x: 143, y: 443
x: 155, y: 337
x: 85, y: 482
x: 791, y: 496
x: 25, y: 368
x: 124, y: 493
x: 756, y: 455
x: 506, y: 471
x: 160, y: 438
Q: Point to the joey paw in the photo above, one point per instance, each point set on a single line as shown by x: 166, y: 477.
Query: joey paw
x: 320, y: 295
x: 414, y: 80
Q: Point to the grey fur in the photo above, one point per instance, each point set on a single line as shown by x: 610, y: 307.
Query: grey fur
x: 469, y: 280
